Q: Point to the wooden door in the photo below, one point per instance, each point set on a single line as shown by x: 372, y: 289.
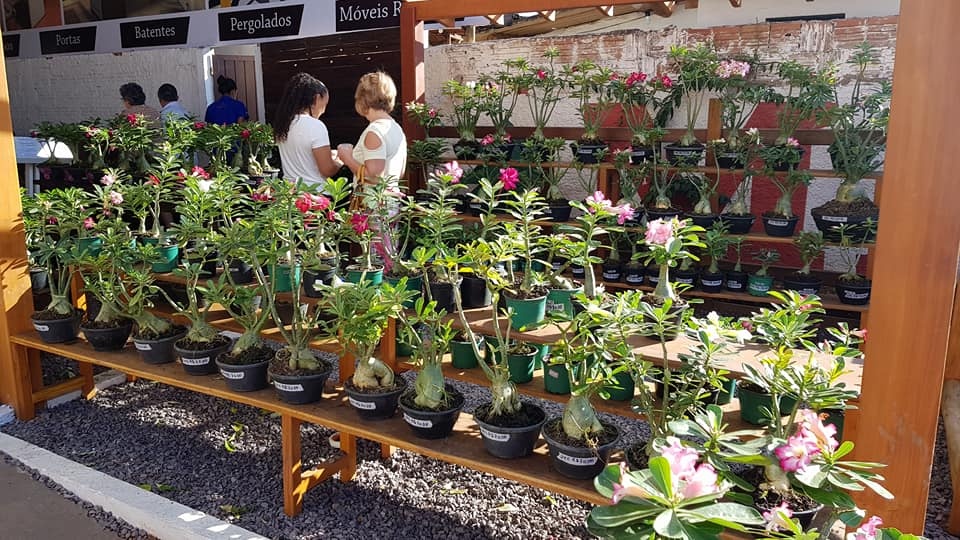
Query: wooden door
x: 241, y: 69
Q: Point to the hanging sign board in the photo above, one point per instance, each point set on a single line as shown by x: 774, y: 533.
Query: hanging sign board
x: 367, y: 14
x: 11, y: 45
x: 260, y: 23
x: 173, y: 31
x: 68, y: 40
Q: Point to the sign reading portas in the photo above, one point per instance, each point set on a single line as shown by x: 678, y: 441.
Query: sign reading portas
x: 260, y: 23
x: 154, y: 33
x: 70, y: 40
x: 367, y: 14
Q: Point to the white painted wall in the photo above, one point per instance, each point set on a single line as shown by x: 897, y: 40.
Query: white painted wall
x: 75, y: 88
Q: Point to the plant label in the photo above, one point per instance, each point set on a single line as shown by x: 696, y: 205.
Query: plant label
x: 856, y: 295
x: 499, y: 437
x: 365, y: 405
x: 41, y: 327
x: 554, y: 307
x: 416, y: 422
x: 634, y: 278
x: 196, y: 361
x: 612, y: 274
x: 288, y: 387
x: 778, y: 222
x: 143, y: 346
x: 711, y: 282
x: 577, y: 461
x: 553, y: 373
x: 835, y: 219
x: 233, y: 375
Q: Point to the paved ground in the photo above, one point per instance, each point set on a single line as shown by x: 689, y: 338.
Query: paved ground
x: 31, y: 511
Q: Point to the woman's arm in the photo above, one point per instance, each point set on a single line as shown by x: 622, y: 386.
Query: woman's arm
x: 325, y: 162
x: 374, y: 166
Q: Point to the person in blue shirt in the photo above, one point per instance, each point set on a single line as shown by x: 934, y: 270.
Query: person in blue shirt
x: 226, y: 110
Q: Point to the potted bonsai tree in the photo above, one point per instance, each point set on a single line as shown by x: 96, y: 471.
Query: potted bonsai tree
x: 782, y: 222
x: 739, y: 95
x: 526, y: 298
x: 736, y: 278
x: 668, y: 243
x: 851, y: 287
x: 425, y: 152
x: 543, y: 86
x: 696, y: 68
x: 810, y: 246
x: 102, y: 274
x: 715, y: 242
x: 808, y: 90
x: 154, y: 337
x: 244, y: 365
x: 466, y: 99
x: 760, y: 282
x: 440, y: 225
x: 736, y: 216
x: 551, y: 173
x: 134, y: 136
x: 859, y: 128
x: 590, y: 86
x: 257, y: 145
x: 634, y: 96
x: 499, y: 97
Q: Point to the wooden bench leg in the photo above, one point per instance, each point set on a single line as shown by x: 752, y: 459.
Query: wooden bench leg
x: 89, y: 388
x: 386, y: 451
x: 292, y: 464
x: 950, y: 408
x: 23, y: 404
x: 36, y: 373
x: 348, y: 445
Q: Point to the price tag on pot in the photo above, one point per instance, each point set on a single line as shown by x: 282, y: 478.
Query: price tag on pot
x: 553, y: 307
x: 711, y: 282
x: 365, y: 405
x: 835, y: 219
x: 143, y: 346
x: 613, y: 274
x: 634, y: 278
x: 500, y: 437
x: 288, y: 387
x: 41, y: 327
x: 196, y: 361
x: 577, y: 461
x: 778, y: 223
x: 554, y: 373
x: 856, y: 295
x: 416, y: 422
x: 233, y: 375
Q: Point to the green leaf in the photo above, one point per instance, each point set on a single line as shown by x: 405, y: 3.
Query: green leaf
x: 730, y: 512
x: 843, y: 450
x: 668, y: 525
x: 877, y: 488
x: 163, y: 488
x: 853, y: 518
x: 507, y: 507
x: 623, y: 513
x: 660, y: 470
x: 147, y: 487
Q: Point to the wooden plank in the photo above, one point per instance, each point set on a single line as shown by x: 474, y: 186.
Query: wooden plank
x: 953, y: 346
x: 815, y: 137
x: 428, y: 10
x: 606, y: 11
x: 691, y: 4
x: 564, y: 19
x: 550, y: 15
x: 89, y: 388
x: 50, y: 392
x: 663, y: 9
x: 413, y: 83
x: 20, y: 384
x: 950, y: 409
x: 908, y: 345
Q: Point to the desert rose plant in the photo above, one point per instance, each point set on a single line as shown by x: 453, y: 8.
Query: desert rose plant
x: 668, y: 242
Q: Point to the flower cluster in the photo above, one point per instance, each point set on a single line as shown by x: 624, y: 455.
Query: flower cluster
x: 453, y: 171
x: 635, y: 78
x: 308, y: 202
x: 731, y: 68
x: 778, y: 518
x: 598, y: 202
x: 360, y: 223
x: 510, y: 178
x: 659, y: 232
x: 490, y: 138
x: 692, y: 480
x: 810, y: 440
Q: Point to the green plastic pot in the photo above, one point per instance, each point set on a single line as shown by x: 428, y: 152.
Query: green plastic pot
x: 370, y: 277
x: 461, y: 353
x: 169, y: 258
x: 555, y: 379
x: 527, y: 312
x: 414, y: 283
x: 90, y: 246
x: 560, y: 300
x: 623, y: 391
x: 725, y: 395
x: 521, y: 366
x: 759, y: 285
x: 542, y: 352
x: 282, y: 277
x: 753, y: 403
x: 403, y: 349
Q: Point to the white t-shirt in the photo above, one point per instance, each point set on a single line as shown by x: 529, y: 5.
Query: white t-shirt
x: 393, y: 149
x: 296, y: 151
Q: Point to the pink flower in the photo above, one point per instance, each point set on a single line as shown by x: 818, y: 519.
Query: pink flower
x: 331, y: 215
x: 199, y: 125
x: 626, y: 487
x: 702, y: 482
x: 322, y: 203
x: 108, y: 179
x: 153, y: 179
x: 52, y: 220
x: 360, y: 223
x: 132, y: 119
x: 659, y: 232
x: 245, y: 134
x: 869, y: 530
x: 798, y: 452
x: 824, y: 434
x: 487, y: 140
x: 116, y: 197
x: 793, y: 142
x: 308, y: 202
x: 597, y: 201
x: 453, y: 170
x: 510, y: 178
x: 635, y: 78
x: 778, y: 517
x: 507, y: 137
x: 614, y: 76
x: 432, y: 113
x: 666, y: 81
x: 200, y: 173
x: 263, y: 194
x: 729, y: 68
x: 746, y: 325
x: 89, y: 223
x: 624, y: 213
x: 541, y: 74
x: 862, y: 334
x: 683, y: 460
x: 34, y: 133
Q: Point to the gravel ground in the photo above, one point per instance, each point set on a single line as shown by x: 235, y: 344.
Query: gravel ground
x: 175, y: 441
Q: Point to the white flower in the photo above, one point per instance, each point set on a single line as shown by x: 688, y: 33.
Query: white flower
x: 204, y: 185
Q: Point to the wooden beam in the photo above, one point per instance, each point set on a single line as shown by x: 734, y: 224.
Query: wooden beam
x: 908, y: 345
x: 549, y: 15
x: 691, y: 4
x: 412, y: 79
x: 432, y: 10
x: 565, y: 19
x: 663, y: 9
x: 735, y: 3
x: 448, y: 23
x: 606, y: 10
x: 498, y: 20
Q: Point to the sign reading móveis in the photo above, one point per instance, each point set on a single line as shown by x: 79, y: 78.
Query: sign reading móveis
x: 11, y: 45
x: 154, y: 33
x: 367, y: 14
x: 260, y: 23
x: 69, y: 40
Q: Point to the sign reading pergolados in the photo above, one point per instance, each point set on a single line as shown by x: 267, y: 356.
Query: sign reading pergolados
x: 260, y: 23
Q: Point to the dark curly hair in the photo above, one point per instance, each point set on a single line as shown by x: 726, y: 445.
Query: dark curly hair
x: 226, y: 85
x: 133, y: 94
x: 298, y: 95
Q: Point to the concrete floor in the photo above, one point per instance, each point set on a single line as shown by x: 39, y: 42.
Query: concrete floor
x: 31, y: 511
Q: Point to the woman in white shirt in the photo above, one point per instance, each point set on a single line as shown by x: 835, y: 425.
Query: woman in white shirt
x: 302, y: 138
x: 382, y: 148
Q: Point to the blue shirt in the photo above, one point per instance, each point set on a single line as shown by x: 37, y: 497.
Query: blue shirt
x: 225, y: 111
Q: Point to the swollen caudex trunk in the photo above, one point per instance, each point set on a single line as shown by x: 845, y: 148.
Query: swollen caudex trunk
x: 504, y: 399
x: 60, y: 304
x: 201, y: 332
x: 579, y: 418
x: 246, y: 341
x: 302, y: 359
x: 429, y: 387
x: 109, y: 312
x: 373, y: 373
x: 703, y: 207
x: 151, y: 324
x: 845, y: 192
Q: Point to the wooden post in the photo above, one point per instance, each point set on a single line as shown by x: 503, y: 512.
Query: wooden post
x: 951, y: 424
x: 907, y: 346
x: 412, y: 81
x: 16, y: 301
x: 292, y: 464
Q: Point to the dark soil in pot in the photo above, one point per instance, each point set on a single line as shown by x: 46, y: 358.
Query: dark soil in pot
x: 375, y: 403
x: 198, y: 357
x: 738, y: 223
x: 779, y: 226
x: 56, y: 328
x: 297, y: 386
x: 803, y: 284
x: 510, y: 436
x: 636, y: 456
x: 804, y: 508
x: 107, y: 337
x: 157, y: 348
x: 676, y: 310
x: 247, y: 371
x: 853, y: 214
x: 428, y: 423
x: 572, y: 457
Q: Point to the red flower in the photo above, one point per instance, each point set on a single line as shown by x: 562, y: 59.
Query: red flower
x: 331, y: 215
x: 263, y: 194
x: 245, y: 134
x: 199, y: 125
x: 52, y: 220
x: 132, y: 118
x: 614, y: 76
x: 34, y: 133
x: 200, y: 173
x: 510, y: 178
x: 308, y: 202
x: 541, y: 74
x: 360, y: 223
x: 153, y: 179
x: 862, y: 334
x: 666, y: 81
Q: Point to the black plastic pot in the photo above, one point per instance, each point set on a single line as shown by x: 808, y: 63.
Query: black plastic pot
x: 633, y: 274
x: 687, y: 277
x: 559, y: 211
x: 729, y: 160
x: 611, y: 271
x: 39, y: 279
x: 511, y: 442
x: 577, y: 271
x: 711, y: 283
x: 807, y: 285
x: 208, y: 264
x: 780, y: 227
x: 158, y: 351
x: 587, y: 153
x: 854, y: 293
x: 375, y: 406
x: 240, y: 271
x: 466, y: 149
x: 665, y: 214
x: 738, y: 224
x: 299, y: 389
x: 578, y: 462
x: 704, y: 220
x: 108, y: 339
x: 474, y: 292
x: 828, y: 225
x: 679, y: 155
x: 202, y: 362
x: 653, y: 275
x: 433, y: 424
x: 58, y: 330
x: 736, y: 281
x: 244, y: 378
x: 640, y: 154
x: 442, y: 292
x: 320, y: 276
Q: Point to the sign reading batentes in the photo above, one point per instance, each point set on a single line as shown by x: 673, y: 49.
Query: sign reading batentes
x: 367, y: 14
x: 260, y: 23
x: 68, y: 40
x: 154, y: 33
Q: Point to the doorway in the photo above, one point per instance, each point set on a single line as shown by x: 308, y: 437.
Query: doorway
x: 243, y: 70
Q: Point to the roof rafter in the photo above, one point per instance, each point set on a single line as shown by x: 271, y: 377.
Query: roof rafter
x: 606, y: 10
x: 549, y: 15
x: 663, y: 9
